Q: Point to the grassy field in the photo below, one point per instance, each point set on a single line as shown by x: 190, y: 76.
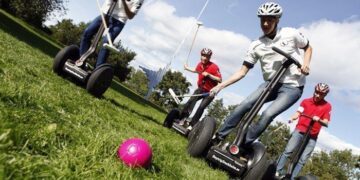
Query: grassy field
x: 53, y: 129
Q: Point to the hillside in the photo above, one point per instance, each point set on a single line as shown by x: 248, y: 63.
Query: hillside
x: 52, y: 128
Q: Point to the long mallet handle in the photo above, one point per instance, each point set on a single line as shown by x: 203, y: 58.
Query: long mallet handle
x: 192, y: 43
x: 173, y: 95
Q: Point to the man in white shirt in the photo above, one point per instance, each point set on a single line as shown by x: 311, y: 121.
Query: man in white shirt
x: 290, y: 87
x: 124, y: 10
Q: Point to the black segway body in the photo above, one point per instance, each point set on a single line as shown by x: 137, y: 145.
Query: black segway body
x: 248, y: 162
x: 172, y: 121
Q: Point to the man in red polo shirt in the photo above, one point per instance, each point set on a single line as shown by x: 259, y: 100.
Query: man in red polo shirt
x: 208, y: 77
x: 316, y: 107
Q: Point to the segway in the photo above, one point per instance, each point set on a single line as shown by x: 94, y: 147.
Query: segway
x: 247, y: 162
x: 173, y: 120
x: 69, y: 63
x: 297, y: 154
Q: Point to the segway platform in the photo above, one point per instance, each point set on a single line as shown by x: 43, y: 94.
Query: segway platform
x: 76, y: 71
x: 236, y: 166
x: 180, y: 129
x: 172, y: 121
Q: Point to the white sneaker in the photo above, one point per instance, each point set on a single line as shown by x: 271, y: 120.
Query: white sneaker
x: 189, y: 128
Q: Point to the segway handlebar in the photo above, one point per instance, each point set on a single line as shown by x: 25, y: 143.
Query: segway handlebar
x: 287, y: 56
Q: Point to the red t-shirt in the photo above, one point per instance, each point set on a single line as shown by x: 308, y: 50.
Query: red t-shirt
x: 206, y: 83
x: 322, y: 110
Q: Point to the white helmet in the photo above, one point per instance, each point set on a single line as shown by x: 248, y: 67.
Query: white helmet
x: 270, y: 9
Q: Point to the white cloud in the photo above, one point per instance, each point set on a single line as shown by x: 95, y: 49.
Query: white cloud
x: 328, y: 142
x: 336, y: 57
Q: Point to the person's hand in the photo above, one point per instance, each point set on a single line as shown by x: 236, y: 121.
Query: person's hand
x: 305, y: 69
x: 205, y: 73
x: 215, y: 90
x: 186, y: 67
x: 316, y: 118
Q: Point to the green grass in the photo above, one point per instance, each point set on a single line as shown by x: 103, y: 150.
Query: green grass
x: 53, y: 129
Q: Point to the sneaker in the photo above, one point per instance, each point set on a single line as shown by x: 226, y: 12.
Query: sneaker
x: 189, y: 128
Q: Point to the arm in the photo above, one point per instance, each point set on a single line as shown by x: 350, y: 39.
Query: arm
x: 295, y: 116
x: 305, y: 68
x: 323, y: 122
x: 234, y: 78
x: 206, y: 74
x: 128, y: 13
x: 186, y: 67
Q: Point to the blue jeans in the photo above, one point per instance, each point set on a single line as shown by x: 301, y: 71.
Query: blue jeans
x: 283, y: 96
x: 294, y: 142
x: 115, y: 26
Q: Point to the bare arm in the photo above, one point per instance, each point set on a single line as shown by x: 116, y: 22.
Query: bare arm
x: 128, y: 13
x: 218, y: 79
x: 305, y: 68
x: 186, y: 67
x: 234, y: 78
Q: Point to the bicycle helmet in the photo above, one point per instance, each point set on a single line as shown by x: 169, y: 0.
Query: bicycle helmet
x: 322, y: 88
x: 206, y: 52
x: 270, y: 9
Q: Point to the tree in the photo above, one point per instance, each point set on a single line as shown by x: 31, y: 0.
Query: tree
x: 275, y: 139
x: 217, y: 110
x: 338, y: 164
x: 66, y: 32
x: 121, y: 61
x: 34, y: 12
x: 137, y: 82
x: 174, y: 80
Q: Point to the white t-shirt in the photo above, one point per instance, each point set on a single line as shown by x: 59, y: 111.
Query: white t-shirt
x: 119, y: 11
x: 287, y: 39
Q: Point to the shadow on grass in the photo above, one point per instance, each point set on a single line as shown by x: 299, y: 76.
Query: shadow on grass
x: 21, y: 33
x: 133, y: 96
x: 133, y: 111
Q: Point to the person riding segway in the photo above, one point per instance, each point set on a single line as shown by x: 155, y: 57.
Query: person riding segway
x: 72, y: 60
x: 312, y: 114
x: 208, y: 77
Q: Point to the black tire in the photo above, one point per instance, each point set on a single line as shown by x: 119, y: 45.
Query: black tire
x: 200, y: 137
x: 170, y: 118
x: 258, y: 168
x: 100, y: 80
x: 71, y: 52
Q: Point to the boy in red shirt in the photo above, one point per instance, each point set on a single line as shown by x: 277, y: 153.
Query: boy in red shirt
x: 208, y: 77
x: 316, y: 107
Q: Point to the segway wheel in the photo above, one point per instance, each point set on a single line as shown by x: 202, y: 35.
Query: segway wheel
x: 100, y: 80
x: 200, y: 136
x: 70, y: 52
x: 170, y: 118
x: 259, y: 162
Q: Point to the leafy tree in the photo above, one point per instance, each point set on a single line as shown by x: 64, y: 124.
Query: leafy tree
x: 275, y: 139
x: 66, y: 32
x: 334, y: 165
x: 121, y: 61
x: 137, y: 82
x: 217, y: 110
x: 174, y: 80
x: 35, y: 11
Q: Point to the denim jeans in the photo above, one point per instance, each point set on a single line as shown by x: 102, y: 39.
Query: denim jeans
x: 283, y: 96
x: 190, y: 104
x: 115, y: 26
x: 293, y: 143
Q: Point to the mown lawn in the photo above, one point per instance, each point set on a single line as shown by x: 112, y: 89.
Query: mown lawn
x: 53, y: 129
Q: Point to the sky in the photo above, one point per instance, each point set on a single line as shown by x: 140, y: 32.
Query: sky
x: 163, y: 30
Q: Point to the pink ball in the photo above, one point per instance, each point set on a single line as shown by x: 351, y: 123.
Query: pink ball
x: 135, y: 152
